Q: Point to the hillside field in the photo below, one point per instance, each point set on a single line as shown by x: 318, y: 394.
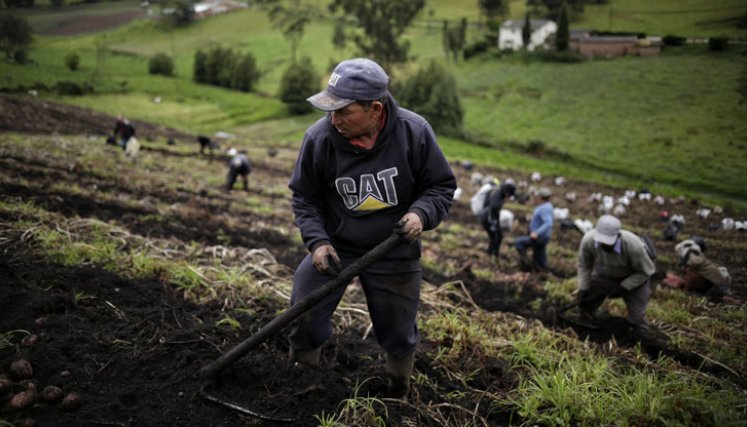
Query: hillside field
x: 671, y: 123
x: 123, y: 277
x: 133, y: 276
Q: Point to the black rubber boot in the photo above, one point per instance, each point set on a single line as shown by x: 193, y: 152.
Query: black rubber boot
x: 306, y: 357
x: 399, y: 372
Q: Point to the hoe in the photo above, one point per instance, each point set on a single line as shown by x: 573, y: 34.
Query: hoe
x: 211, y: 371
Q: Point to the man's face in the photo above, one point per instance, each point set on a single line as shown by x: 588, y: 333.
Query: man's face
x: 608, y: 248
x: 355, y: 120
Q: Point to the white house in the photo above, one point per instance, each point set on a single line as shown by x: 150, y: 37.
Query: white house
x: 215, y: 7
x: 510, y: 34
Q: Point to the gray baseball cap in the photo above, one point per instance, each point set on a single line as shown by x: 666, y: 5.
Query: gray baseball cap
x: 607, y: 230
x: 358, y: 79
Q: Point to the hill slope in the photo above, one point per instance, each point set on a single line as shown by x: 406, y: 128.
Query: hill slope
x: 134, y: 275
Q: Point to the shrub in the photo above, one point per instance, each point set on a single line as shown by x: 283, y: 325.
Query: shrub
x: 161, y: 63
x: 717, y: 44
x: 298, y: 83
x: 670, y: 40
x: 72, y: 60
x: 494, y: 25
x: 15, y: 37
x: 226, y: 68
x: 245, y: 73
x: 432, y: 93
x: 200, y: 71
x: 21, y: 55
x: 65, y: 87
x: 219, y: 64
x: 566, y: 56
x: 183, y: 13
x: 475, y: 48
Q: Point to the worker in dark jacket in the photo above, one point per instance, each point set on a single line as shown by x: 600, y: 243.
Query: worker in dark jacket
x: 365, y: 167
x: 491, y: 215
x: 239, y: 165
x: 123, y: 131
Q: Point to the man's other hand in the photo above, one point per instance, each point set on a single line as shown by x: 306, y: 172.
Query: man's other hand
x: 322, y: 257
x: 410, y: 227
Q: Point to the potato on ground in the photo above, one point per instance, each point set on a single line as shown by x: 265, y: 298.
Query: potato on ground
x: 21, y: 368
x: 71, y: 402
x: 23, y: 400
x: 51, y: 394
x: 5, y: 385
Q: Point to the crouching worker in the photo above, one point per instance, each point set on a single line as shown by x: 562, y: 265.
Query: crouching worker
x: 364, y: 167
x: 700, y: 274
x: 238, y: 166
x: 614, y: 263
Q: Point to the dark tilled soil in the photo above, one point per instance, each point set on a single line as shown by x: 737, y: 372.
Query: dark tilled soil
x: 133, y: 350
x: 24, y: 113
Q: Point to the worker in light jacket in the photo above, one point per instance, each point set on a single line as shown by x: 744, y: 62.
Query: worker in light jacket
x: 614, y: 263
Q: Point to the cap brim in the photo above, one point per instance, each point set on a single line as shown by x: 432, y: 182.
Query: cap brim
x: 325, y: 101
x: 604, y: 239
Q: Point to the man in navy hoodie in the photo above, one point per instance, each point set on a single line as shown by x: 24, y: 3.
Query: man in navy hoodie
x: 364, y: 167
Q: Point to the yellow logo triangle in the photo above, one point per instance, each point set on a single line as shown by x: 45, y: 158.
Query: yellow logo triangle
x: 371, y: 204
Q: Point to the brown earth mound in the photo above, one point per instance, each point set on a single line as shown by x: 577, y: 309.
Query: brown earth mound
x: 22, y: 113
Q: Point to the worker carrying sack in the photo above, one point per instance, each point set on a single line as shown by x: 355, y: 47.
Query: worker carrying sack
x: 477, y: 202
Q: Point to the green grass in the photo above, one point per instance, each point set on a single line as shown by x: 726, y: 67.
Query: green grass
x: 690, y: 18
x: 558, y: 386
x: 672, y: 123
x: 674, y: 119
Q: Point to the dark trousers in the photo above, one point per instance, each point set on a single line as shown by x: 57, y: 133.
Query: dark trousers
x: 636, y: 299
x: 539, y: 250
x: 495, y: 234
x: 233, y: 173
x: 392, y: 299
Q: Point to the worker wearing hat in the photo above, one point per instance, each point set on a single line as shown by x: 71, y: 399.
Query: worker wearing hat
x: 540, y: 231
x: 367, y: 165
x: 614, y: 263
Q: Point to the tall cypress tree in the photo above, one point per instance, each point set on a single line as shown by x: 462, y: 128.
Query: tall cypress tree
x: 564, y: 33
x: 526, y: 32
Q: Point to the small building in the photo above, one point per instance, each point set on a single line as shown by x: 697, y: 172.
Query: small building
x: 510, y: 34
x: 215, y: 7
x: 593, y: 45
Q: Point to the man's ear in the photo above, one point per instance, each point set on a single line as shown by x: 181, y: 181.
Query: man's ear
x: 377, y: 107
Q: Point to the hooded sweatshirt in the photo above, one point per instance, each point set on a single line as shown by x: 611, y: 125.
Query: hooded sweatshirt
x: 352, y: 197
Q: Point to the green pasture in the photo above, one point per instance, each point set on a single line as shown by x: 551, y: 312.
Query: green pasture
x: 687, y: 18
x: 674, y: 122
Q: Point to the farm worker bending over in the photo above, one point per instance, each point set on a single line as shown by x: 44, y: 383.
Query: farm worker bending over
x: 540, y: 230
x: 614, y: 263
x: 365, y: 166
x: 238, y: 165
x: 123, y: 131
x: 490, y: 213
x: 701, y: 274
